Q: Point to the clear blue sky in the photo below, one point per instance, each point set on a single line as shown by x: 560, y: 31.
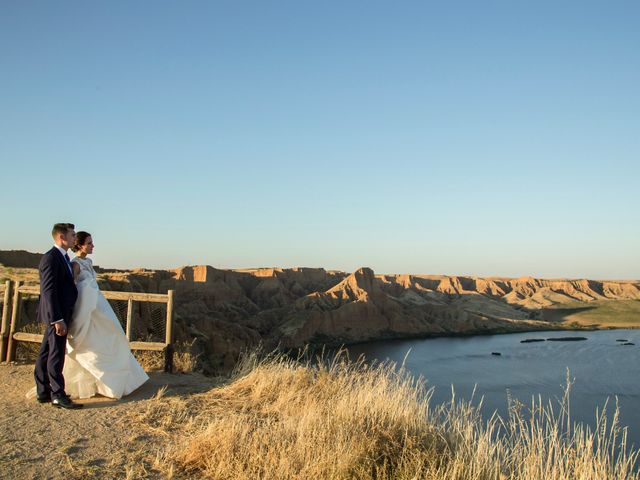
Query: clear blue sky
x: 478, y: 138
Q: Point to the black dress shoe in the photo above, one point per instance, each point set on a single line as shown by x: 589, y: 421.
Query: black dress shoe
x: 45, y: 399
x: 65, y: 402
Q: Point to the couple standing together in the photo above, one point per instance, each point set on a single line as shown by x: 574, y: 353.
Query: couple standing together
x: 84, y: 350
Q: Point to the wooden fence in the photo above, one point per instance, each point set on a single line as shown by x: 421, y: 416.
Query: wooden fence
x: 142, y: 323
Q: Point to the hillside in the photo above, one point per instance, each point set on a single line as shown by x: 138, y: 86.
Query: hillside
x: 220, y: 313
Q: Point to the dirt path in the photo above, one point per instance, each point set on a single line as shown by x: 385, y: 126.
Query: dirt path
x: 40, y: 441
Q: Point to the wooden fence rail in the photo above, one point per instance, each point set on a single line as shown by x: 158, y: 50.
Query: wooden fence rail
x: 14, y: 335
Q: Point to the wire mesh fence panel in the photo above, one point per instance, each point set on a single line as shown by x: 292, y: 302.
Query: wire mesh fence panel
x: 27, y: 351
x: 120, y: 309
x: 27, y: 320
x: 148, y: 319
x: 151, y: 322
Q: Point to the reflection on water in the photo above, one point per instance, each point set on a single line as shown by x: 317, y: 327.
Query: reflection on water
x: 601, y: 366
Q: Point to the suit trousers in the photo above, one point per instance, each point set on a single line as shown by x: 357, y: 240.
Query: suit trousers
x: 49, y: 364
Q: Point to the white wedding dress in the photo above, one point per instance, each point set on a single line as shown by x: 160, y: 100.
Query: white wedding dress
x: 98, y: 358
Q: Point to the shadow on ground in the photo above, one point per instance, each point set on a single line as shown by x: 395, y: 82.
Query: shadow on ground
x: 169, y: 384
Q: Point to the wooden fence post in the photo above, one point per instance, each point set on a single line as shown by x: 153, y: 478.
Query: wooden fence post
x: 129, y: 315
x: 168, y: 353
x: 15, y: 315
x: 4, y: 329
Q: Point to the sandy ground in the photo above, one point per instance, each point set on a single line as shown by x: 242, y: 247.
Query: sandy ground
x: 98, y: 441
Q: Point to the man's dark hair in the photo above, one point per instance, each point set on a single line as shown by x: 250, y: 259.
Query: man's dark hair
x: 63, y: 228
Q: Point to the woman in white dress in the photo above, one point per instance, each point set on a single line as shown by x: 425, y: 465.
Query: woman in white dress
x: 98, y: 358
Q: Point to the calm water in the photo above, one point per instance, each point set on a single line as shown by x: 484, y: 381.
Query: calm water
x: 601, y: 368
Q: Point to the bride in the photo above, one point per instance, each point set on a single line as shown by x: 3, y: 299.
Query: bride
x: 98, y: 357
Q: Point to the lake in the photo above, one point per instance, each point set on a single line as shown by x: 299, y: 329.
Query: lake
x: 601, y: 366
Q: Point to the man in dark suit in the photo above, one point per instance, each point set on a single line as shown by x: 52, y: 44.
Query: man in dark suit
x: 58, y: 296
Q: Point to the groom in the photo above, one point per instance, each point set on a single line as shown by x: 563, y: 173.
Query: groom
x: 58, y: 296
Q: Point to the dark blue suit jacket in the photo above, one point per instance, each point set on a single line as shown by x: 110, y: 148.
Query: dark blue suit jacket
x: 58, y: 292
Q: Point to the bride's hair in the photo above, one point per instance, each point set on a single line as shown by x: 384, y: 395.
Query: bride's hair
x: 81, y: 237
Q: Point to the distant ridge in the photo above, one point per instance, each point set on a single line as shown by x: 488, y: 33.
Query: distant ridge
x: 20, y: 258
x: 227, y: 311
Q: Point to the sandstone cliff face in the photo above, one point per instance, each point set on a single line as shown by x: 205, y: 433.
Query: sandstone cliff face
x: 233, y: 310
x: 365, y: 307
x: 224, y: 312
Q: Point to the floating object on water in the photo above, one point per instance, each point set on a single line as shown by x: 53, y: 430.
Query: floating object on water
x: 622, y: 340
x: 497, y: 354
x: 566, y: 339
x: 627, y: 343
x: 531, y: 340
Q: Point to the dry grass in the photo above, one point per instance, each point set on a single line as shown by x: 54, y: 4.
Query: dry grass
x: 184, y: 358
x: 280, y: 419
